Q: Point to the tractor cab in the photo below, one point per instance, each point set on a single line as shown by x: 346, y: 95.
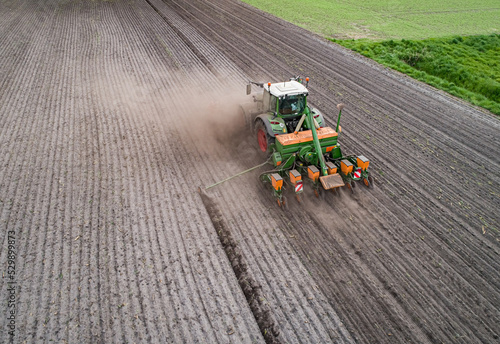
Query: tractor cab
x: 281, y: 109
x: 285, y: 99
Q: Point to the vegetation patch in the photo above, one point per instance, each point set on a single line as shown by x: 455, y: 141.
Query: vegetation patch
x: 467, y: 67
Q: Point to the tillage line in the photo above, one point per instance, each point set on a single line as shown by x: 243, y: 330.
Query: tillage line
x: 191, y: 46
x: 251, y: 289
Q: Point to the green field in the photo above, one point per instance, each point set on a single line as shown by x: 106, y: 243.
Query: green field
x: 417, y: 19
x: 453, y: 45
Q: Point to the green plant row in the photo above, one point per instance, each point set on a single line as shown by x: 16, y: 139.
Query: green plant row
x: 467, y: 67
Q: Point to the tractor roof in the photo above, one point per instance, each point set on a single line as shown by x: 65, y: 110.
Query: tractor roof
x: 290, y: 88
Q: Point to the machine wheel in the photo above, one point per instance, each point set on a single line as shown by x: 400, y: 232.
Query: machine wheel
x: 316, y: 192
x: 350, y: 186
x: 242, y: 118
x: 240, y: 122
x: 299, y: 197
x: 367, y: 183
x: 372, y: 181
x: 284, y: 203
x: 263, y: 138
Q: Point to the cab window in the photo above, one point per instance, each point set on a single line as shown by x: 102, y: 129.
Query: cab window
x: 291, y: 105
x: 269, y: 102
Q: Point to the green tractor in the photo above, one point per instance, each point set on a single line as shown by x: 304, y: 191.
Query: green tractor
x: 299, y: 145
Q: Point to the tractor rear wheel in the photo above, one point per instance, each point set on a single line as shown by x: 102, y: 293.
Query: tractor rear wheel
x: 263, y: 138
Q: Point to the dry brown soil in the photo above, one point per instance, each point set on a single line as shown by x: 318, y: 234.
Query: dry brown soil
x: 112, y: 115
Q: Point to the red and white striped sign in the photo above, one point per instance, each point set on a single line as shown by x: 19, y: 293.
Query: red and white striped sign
x: 298, y: 187
x: 357, y: 173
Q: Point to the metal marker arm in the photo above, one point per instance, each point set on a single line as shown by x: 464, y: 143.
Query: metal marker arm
x: 238, y: 174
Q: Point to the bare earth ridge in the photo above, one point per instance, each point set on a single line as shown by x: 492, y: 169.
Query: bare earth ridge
x: 114, y: 113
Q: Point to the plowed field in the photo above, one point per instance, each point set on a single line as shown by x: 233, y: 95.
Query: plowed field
x: 114, y: 113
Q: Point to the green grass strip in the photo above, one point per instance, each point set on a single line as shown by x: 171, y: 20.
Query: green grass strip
x: 467, y: 67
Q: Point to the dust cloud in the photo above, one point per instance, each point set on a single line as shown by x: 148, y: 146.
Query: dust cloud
x: 208, y: 109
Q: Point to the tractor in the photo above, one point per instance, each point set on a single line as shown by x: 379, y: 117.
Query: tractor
x: 295, y: 139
